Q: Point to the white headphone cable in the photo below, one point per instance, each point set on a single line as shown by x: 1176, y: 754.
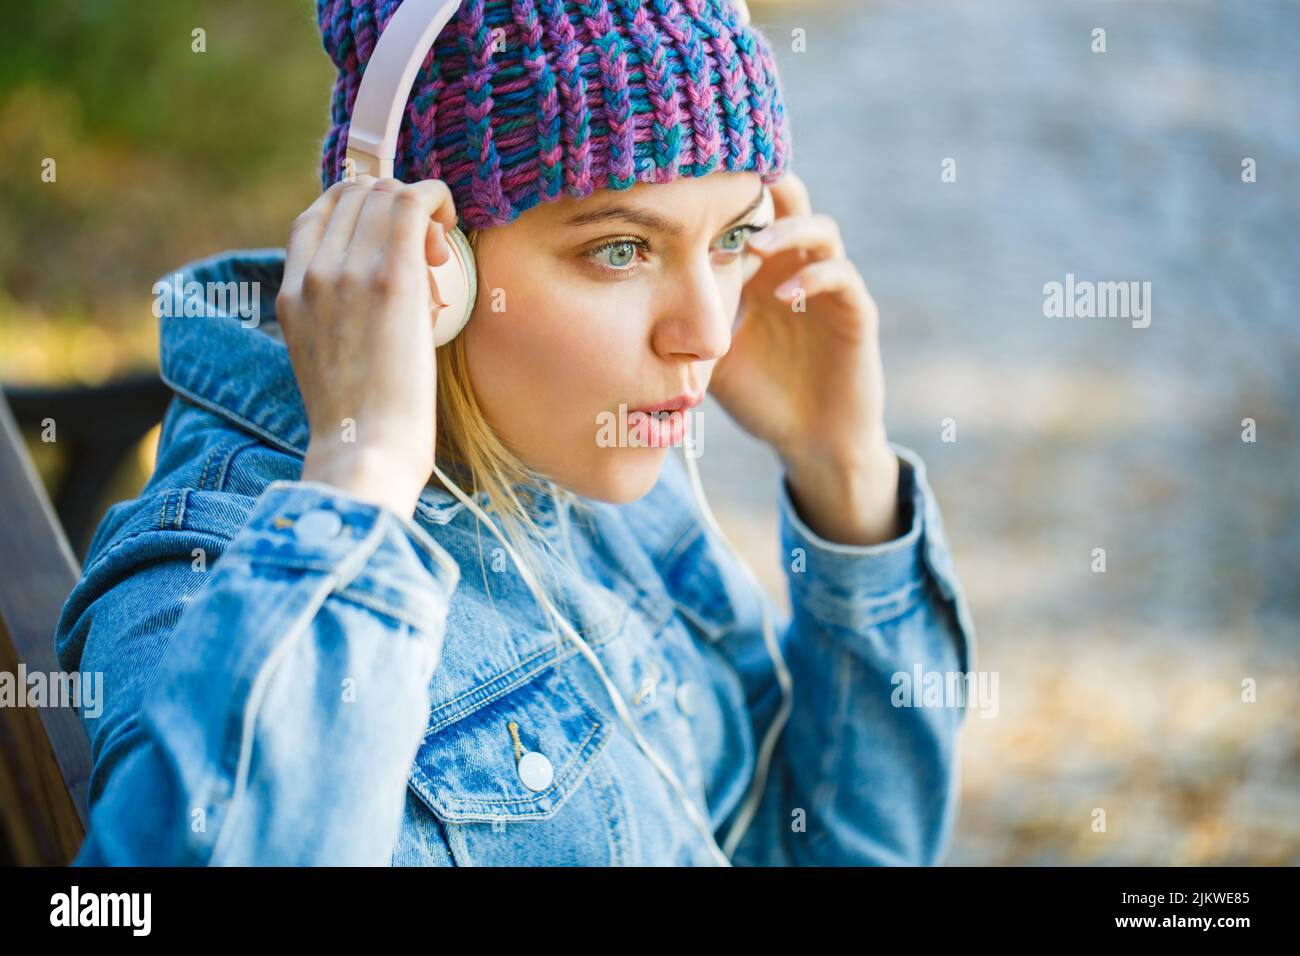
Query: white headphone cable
x: 755, y: 795
x: 692, y: 811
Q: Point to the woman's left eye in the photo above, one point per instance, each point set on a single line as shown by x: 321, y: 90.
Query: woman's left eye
x: 734, y: 239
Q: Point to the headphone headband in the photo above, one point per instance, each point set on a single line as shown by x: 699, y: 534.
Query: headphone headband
x: 386, y: 83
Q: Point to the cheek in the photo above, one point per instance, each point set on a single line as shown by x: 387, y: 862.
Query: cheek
x: 543, y: 364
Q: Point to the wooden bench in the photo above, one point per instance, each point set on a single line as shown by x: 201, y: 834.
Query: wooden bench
x: 44, y: 754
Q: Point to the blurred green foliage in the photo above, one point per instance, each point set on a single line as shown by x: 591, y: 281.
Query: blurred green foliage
x: 162, y: 154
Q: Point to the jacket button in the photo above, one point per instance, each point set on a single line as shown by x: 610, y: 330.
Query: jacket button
x: 318, y: 527
x: 535, y: 771
x: 686, y: 697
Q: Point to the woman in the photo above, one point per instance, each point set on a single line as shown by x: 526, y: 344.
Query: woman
x: 365, y: 676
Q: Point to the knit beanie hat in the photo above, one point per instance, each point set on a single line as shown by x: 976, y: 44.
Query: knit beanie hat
x: 525, y: 101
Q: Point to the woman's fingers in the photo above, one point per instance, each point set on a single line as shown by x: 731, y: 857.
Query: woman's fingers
x: 835, y: 278
x: 305, y: 236
x: 436, y: 248
x: 370, y: 234
x: 414, y: 210
x: 817, y: 235
x: 343, y: 222
x: 367, y: 229
x: 790, y: 196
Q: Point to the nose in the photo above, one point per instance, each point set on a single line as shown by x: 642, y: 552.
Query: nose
x: 696, y: 317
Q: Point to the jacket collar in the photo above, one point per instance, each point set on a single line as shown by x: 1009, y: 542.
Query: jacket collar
x: 221, y: 348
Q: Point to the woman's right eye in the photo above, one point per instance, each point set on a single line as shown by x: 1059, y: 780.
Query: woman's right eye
x: 618, y: 255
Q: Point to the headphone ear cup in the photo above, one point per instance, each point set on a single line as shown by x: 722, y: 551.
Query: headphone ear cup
x: 455, y: 285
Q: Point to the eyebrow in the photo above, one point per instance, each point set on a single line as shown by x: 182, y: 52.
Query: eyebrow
x: 644, y: 217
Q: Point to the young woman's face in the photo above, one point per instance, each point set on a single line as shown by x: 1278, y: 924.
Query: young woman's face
x: 589, y: 309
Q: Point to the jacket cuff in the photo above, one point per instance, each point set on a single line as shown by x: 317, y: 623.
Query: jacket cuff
x: 366, y: 548
x: 850, y: 586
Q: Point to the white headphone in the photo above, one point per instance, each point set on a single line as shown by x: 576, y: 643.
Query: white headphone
x: 372, y: 147
x: 372, y: 143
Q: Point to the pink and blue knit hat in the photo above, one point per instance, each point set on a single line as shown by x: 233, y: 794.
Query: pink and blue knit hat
x: 526, y: 101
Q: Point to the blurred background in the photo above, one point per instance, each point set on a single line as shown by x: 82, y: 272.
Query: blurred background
x: 1118, y: 690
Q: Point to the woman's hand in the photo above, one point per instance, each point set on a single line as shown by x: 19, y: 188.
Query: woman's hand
x: 804, y: 373
x: 355, y: 308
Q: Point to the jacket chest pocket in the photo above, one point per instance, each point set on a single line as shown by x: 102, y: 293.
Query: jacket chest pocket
x: 511, y: 779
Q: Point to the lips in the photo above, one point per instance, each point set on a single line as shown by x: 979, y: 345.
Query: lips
x: 678, y: 403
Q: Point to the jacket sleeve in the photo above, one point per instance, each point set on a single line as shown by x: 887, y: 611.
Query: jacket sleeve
x: 858, y: 777
x: 290, y: 689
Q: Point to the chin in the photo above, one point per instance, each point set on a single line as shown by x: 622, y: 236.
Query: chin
x: 629, y: 474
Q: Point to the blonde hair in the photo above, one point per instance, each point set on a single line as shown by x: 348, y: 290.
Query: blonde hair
x: 468, y: 448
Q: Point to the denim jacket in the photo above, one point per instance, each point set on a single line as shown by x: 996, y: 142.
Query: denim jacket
x: 293, y: 676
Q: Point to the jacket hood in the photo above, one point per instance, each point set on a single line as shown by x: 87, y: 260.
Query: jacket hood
x: 221, y: 347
